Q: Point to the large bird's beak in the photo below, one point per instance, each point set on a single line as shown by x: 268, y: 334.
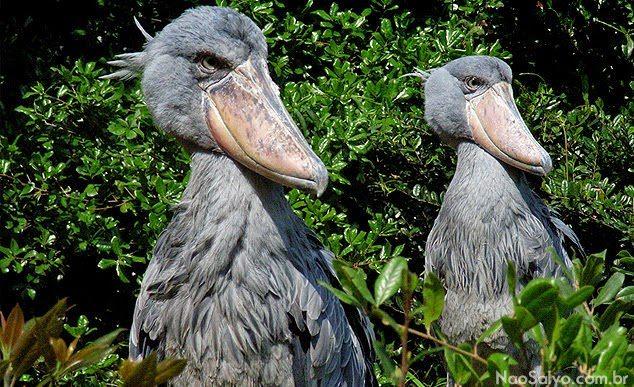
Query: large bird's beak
x: 247, y: 119
x: 497, y: 127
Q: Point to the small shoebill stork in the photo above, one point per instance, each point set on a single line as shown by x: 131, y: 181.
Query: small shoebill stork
x: 489, y: 213
x: 233, y: 286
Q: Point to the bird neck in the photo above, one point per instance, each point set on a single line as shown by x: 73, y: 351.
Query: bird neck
x: 484, y: 205
x: 228, y: 216
x: 481, y: 179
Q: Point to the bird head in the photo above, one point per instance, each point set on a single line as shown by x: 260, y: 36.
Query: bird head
x: 471, y: 99
x: 205, y: 81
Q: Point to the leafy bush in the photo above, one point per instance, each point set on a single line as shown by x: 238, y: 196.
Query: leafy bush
x: 34, y: 351
x: 580, y: 337
x: 86, y: 181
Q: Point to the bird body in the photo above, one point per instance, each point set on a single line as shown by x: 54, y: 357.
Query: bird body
x: 489, y: 214
x: 239, y: 297
x: 234, y: 284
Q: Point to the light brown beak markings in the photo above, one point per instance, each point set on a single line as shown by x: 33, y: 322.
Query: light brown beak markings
x: 498, y: 127
x: 248, y: 120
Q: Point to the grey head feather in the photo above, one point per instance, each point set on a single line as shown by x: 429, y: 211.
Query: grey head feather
x: 131, y: 64
x: 147, y: 36
x: 423, y: 75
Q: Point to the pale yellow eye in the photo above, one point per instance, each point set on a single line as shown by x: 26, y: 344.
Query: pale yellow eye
x: 473, y: 83
x: 209, y: 63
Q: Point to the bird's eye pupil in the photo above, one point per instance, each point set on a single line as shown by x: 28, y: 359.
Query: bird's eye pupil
x: 473, y: 83
x: 208, y: 63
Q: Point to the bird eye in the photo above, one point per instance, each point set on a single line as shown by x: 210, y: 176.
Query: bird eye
x: 209, y: 64
x: 473, y: 83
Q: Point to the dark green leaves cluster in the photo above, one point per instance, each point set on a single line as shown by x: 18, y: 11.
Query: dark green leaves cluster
x: 87, y: 181
x: 85, y: 176
x: 577, y: 330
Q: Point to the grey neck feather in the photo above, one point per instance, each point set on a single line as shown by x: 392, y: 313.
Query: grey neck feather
x: 230, y: 219
x: 485, y: 210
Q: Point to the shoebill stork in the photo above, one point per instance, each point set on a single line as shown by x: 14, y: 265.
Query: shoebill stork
x: 233, y: 286
x: 489, y: 213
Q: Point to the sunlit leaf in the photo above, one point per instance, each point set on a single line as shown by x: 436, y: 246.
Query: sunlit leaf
x: 167, y: 369
x: 389, y: 280
x: 433, y: 299
x: 610, y: 289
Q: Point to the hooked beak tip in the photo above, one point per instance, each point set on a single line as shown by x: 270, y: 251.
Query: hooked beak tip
x: 544, y: 167
x: 321, y: 180
x: 547, y: 163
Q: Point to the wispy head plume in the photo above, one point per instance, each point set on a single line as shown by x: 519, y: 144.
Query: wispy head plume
x: 422, y: 74
x: 132, y: 63
x: 147, y: 36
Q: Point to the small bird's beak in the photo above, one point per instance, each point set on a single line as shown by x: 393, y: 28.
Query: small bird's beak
x: 498, y: 127
x: 247, y: 119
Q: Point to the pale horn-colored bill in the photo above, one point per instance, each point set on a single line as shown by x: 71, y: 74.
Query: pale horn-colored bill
x: 498, y: 127
x: 247, y: 119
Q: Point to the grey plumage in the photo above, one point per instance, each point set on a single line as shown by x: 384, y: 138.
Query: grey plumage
x: 233, y: 286
x: 489, y: 213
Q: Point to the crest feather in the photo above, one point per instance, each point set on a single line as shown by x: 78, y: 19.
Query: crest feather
x: 422, y: 74
x: 132, y: 63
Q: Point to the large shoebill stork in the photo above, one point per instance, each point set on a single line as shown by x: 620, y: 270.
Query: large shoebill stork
x: 233, y: 286
x: 489, y: 213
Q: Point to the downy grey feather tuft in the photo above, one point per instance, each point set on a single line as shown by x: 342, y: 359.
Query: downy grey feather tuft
x: 423, y: 75
x: 132, y: 63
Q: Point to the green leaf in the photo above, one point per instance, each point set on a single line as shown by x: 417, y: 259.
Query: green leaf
x: 384, y: 359
x: 578, y: 297
x: 459, y: 366
x: 91, y: 190
x: 433, y: 299
x: 500, y: 363
x: 389, y: 280
x: 610, y: 289
x: 489, y: 331
x: 610, y: 350
x: 340, y: 294
x: 626, y: 294
x: 569, y: 330
x: 538, y: 297
x: 358, y: 278
x: 593, y: 269
x: 513, y: 330
x: 613, y: 313
x: 524, y: 318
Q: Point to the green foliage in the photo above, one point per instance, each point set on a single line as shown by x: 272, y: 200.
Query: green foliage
x: 83, y: 178
x: 86, y: 180
x: 34, y: 351
x: 576, y: 338
x: 149, y: 372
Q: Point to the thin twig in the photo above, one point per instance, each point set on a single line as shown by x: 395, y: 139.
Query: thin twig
x: 446, y: 344
x: 407, y: 306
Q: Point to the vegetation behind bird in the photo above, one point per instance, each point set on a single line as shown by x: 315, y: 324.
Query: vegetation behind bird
x: 87, y: 182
